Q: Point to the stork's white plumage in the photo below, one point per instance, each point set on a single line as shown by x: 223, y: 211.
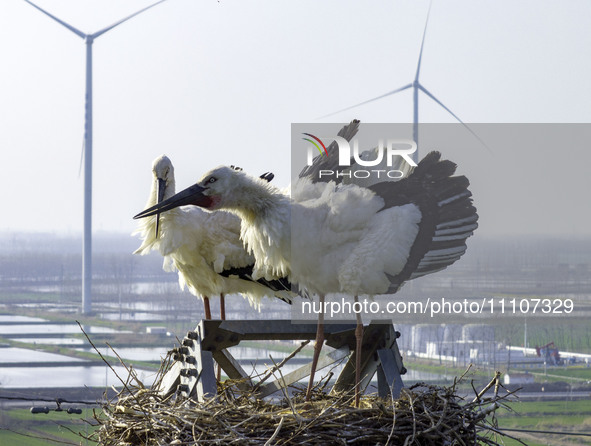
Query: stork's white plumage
x: 204, y: 247
x: 345, y: 238
x: 337, y: 226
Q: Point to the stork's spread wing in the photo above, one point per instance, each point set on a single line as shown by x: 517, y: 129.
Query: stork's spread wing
x: 448, y: 216
x: 330, y: 161
x: 346, y: 174
x: 281, y: 287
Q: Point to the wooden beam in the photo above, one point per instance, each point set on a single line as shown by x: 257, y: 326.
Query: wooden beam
x: 389, y: 374
x: 170, y: 380
x: 234, y: 370
x: 302, y: 372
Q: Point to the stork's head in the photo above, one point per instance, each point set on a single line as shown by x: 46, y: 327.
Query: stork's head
x: 221, y: 188
x: 163, y: 186
x: 163, y: 172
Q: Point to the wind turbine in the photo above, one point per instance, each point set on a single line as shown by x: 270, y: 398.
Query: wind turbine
x: 87, y: 244
x: 416, y: 86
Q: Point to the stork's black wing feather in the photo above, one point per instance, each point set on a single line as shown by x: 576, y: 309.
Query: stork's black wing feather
x: 330, y: 162
x: 267, y: 176
x: 448, y: 216
x: 245, y: 273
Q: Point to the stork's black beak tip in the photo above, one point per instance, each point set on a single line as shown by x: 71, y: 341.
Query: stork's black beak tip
x: 146, y: 213
x: 190, y: 196
x: 140, y: 215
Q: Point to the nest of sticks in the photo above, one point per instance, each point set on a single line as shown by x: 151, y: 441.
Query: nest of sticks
x: 422, y: 415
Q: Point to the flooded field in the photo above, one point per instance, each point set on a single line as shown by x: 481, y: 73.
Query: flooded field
x: 27, y: 367
x: 41, y: 345
x: 49, y: 329
x: 65, y: 377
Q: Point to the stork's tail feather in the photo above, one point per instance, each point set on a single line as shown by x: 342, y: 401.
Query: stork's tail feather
x: 448, y: 217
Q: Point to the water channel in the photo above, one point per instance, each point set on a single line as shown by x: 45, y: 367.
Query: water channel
x: 29, y: 368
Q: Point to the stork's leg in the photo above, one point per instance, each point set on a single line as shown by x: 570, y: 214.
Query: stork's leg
x: 317, y: 345
x: 223, y: 318
x: 206, y: 307
x: 358, y: 338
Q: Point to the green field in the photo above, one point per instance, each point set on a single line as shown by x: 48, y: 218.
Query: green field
x: 19, y: 427
x: 577, y: 373
x: 563, y: 416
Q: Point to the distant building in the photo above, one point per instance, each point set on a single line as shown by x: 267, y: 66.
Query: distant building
x: 518, y: 378
x: 156, y: 330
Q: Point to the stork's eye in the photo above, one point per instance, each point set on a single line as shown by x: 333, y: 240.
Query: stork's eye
x: 212, y: 180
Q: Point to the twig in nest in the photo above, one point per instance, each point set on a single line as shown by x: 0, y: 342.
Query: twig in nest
x: 284, y: 390
x: 281, y: 364
x: 425, y: 415
x: 129, y: 369
x: 492, y: 382
x: 125, y: 383
x: 270, y: 440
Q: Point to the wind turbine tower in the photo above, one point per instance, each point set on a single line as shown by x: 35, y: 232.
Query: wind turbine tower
x: 416, y: 86
x: 87, y: 244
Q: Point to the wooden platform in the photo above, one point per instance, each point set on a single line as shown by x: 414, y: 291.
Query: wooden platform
x: 192, y: 374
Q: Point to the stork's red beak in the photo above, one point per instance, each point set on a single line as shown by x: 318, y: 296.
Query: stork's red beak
x: 191, y: 195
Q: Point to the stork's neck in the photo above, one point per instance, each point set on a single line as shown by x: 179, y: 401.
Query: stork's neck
x: 265, y: 231
x: 157, y: 183
x: 264, y: 205
x: 147, y: 226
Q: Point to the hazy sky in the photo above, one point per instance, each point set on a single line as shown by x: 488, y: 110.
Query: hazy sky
x: 212, y: 83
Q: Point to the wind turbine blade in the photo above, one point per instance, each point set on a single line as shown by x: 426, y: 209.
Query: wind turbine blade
x: 108, y: 28
x: 423, y: 42
x: 424, y: 90
x: 369, y: 100
x: 61, y: 22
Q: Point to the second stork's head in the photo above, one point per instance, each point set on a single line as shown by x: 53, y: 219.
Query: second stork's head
x: 163, y: 186
x: 163, y: 172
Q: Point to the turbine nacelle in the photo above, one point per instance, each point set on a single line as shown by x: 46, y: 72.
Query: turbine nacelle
x: 416, y: 86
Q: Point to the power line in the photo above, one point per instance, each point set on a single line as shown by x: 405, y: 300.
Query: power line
x: 57, y: 401
x: 49, y: 400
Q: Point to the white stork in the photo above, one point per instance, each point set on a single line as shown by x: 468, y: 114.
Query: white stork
x: 344, y: 238
x: 204, y: 247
